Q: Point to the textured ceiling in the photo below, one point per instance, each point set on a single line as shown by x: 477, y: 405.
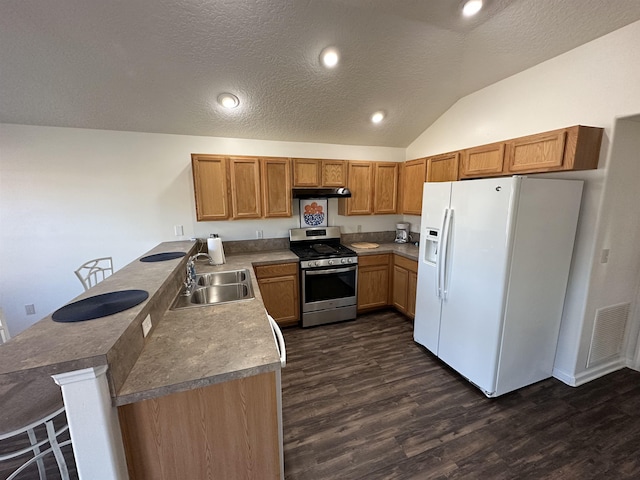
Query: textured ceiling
x: 158, y: 65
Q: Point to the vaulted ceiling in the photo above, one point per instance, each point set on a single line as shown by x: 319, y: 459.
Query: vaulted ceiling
x: 159, y: 65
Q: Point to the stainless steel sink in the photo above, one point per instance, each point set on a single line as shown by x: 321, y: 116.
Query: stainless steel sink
x: 216, y: 288
x: 221, y: 294
x: 222, y: 278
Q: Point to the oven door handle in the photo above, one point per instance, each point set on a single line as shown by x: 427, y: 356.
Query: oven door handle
x: 330, y: 270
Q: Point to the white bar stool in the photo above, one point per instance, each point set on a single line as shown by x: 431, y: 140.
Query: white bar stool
x: 94, y: 271
x: 30, y: 414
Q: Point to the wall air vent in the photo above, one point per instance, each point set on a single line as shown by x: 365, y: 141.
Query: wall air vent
x: 607, y: 338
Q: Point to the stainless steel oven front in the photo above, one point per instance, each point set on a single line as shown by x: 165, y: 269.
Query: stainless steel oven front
x: 329, y: 293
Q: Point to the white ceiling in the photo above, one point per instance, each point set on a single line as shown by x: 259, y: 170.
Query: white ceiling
x: 158, y: 65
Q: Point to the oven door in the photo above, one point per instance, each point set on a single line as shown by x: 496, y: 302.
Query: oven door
x: 327, y: 288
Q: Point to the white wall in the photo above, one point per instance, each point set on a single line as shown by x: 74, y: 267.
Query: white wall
x: 591, y: 85
x: 69, y: 195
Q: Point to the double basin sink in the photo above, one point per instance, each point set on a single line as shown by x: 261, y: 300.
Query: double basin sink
x: 217, y: 287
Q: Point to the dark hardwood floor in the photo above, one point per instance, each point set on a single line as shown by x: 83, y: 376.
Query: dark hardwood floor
x: 361, y: 400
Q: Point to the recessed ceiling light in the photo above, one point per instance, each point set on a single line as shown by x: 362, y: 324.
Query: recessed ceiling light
x: 377, y: 117
x: 228, y: 100
x: 329, y: 57
x: 471, y: 7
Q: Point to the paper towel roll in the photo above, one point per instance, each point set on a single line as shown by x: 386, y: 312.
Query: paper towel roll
x: 216, y: 251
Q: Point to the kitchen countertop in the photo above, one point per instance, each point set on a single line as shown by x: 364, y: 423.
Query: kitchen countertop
x: 199, y: 346
x: 407, y: 250
x: 186, y: 349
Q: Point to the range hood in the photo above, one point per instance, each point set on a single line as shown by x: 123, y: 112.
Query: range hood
x: 342, y: 192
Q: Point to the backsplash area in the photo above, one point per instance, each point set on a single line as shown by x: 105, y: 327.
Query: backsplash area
x: 267, y: 244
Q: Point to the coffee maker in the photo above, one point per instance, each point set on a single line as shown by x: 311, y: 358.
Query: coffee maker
x: 402, y: 233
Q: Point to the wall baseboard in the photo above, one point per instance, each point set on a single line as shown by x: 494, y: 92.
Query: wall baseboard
x: 591, y: 374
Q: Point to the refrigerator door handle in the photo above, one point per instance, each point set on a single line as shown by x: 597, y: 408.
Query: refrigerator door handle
x: 440, y: 255
x: 444, y: 250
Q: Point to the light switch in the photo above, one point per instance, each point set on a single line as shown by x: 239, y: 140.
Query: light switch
x: 146, y: 325
x: 604, y: 256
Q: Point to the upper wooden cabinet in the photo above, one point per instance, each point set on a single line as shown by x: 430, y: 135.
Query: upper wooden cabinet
x: 413, y: 178
x: 573, y: 148
x: 385, y: 190
x: 241, y: 187
x: 246, y: 199
x: 276, y: 187
x: 312, y: 172
x: 211, y: 187
x: 374, y: 188
x: 443, y: 168
x: 333, y: 173
x: 306, y: 172
x: 360, y: 180
x: 483, y: 161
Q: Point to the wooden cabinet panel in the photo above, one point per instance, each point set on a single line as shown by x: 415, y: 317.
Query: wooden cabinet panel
x: 373, y: 281
x: 443, y: 168
x: 483, y: 161
x: 405, y: 280
x: 360, y: 178
x: 400, y: 288
x: 413, y: 178
x: 334, y: 173
x: 279, y: 287
x: 211, y: 188
x: 245, y: 187
x: 412, y: 289
x: 306, y: 172
x: 226, y: 430
x: 276, y: 187
x: 542, y: 152
x: 385, y: 191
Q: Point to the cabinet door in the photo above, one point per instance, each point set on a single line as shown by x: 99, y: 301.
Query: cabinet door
x: 400, y: 288
x: 276, y: 187
x: 306, y: 172
x: 443, y: 168
x: 537, y: 153
x: 279, y: 287
x: 280, y: 296
x: 483, y: 161
x: 385, y: 191
x: 360, y: 182
x: 373, y: 281
x: 210, y: 185
x: 245, y: 187
x: 334, y: 173
x: 413, y: 178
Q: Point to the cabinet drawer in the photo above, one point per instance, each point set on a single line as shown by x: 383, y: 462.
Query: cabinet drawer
x: 411, y: 265
x: 369, y: 260
x: 277, y: 270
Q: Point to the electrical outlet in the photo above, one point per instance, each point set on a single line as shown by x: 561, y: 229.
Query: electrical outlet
x: 179, y: 231
x: 30, y: 309
x: 259, y: 234
x: 359, y: 228
x: 146, y: 325
x: 604, y: 256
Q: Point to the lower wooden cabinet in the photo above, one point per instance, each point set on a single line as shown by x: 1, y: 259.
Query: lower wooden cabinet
x: 405, y: 280
x: 374, y: 272
x: 226, y: 430
x: 279, y: 287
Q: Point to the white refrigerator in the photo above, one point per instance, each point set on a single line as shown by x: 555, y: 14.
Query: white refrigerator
x: 494, y: 261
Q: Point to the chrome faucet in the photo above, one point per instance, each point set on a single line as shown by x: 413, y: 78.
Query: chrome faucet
x: 190, y: 282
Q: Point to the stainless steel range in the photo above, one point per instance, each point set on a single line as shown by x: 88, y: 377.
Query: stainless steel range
x: 329, y: 275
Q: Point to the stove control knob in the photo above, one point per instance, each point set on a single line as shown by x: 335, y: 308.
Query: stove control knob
x: 330, y: 262
x: 317, y: 263
x: 344, y: 260
x: 350, y: 260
